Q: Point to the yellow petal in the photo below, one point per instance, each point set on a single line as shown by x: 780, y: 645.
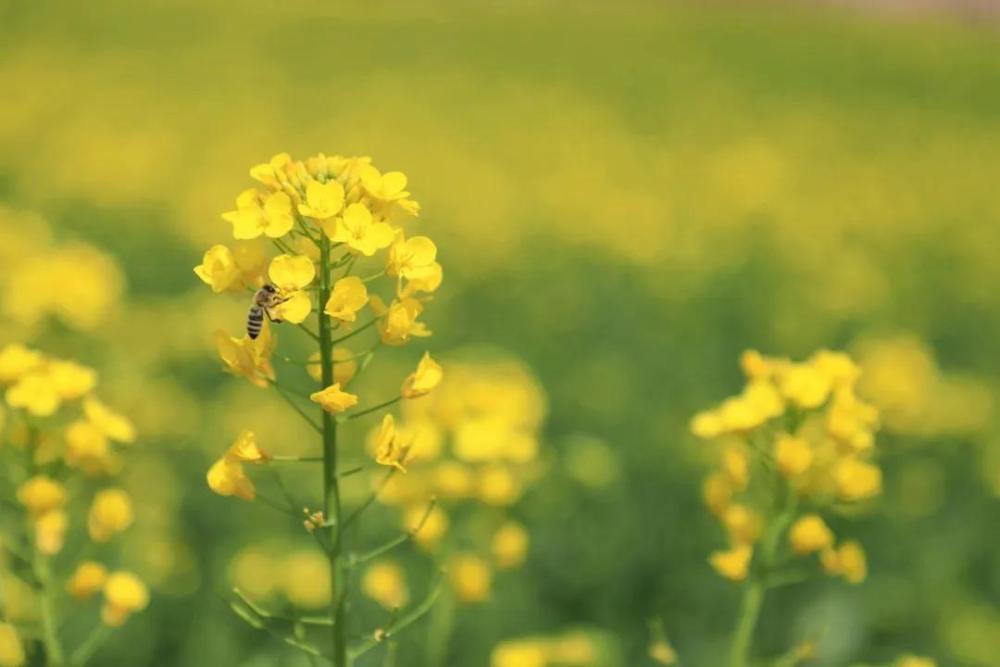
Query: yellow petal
x: 295, y: 310
x: 291, y: 272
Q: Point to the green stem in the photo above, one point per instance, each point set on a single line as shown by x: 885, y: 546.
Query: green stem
x: 50, y: 637
x: 364, y: 326
x: 89, y: 647
x: 753, y: 598
x: 374, y: 408
x: 331, y: 488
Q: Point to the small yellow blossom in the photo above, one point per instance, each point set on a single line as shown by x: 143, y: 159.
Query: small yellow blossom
x: 306, y: 579
x: 398, y: 322
x: 742, y: 524
x: 246, y: 357
x: 736, y: 465
x: 88, y: 579
x: 427, y: 376
x: 733, y: 564
x: 413, y: 260
x: 124, y: 594
x: 793, y: 455
x: 36, y: 393
x: 510, y: 545
x: 524, y: 653
x: 87, y: 448
x: 295, y: 308
x: 334, y: 399
x: 470, y: 577
x: 717, y: 492
x: 115, y: 426
x: 806, y: 386
x: 323, y: 200
x: 246, y: 449
x: 17, y: 360
x: 662, y: 652
x: 269, y: 173
x: 110, y: 514
x: 50, y: 531
x: 384, y: 582
x: 345, y: 366
x: 227, y: 478
x: 349, y: 295
x: 11, y: 649
x: 498, y: 486
x: 219, y: 270
x: 71, y: 380
x: 271, y: 216
x: 452, y: 480
x: 810, y: 534
x: 856, y: 479
x: 707, y: 424
x: 848, y: 561
x: 291, y: 272
x: 358, y: 230
x: 433, y: 527
x: 389, y: 450
x: 41, y: 494
x: 387, y: 187
x: 914, y: 661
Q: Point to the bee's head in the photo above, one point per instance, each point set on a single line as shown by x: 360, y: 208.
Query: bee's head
x: 269, y: 288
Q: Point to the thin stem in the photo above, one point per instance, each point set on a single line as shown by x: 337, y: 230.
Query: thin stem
x: 331, y: 488
x: 309, y: 331
x: 395, y: 542
x: 296, y: 459
x: 295, y: 406
x: 370, y: 499
x: 374, y: 276
x: 400, y: 624
x: 50, y: 638
x: 85, y: 651
x: 366, y: 325
x: 374, y: 408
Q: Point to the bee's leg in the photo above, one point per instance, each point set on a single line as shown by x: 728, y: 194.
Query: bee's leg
x: 272, y: 318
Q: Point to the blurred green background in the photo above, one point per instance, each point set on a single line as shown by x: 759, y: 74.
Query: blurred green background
x: 625, y: 196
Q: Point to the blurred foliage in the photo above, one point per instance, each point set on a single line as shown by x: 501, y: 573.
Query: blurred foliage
x: 626, y: 196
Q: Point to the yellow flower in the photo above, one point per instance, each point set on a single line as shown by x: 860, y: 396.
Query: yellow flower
x: 36, y: 393
x: 87, y: 580
x: 413, y: 260
x: 662, y: 652
x: 349, y: 295
x: 115, y: 426
x: 452, y: 480
x: 742, y: 524
x: 272, y: 218
x: 227, y: 478
x: 734, y: 563
x: 110, y: 514
x: 246, y: 449
x: 793, y: 455
x: 716, y: 492
x: 294, y: 309
x: 269, y: 173
x: 124, y: 594
x: 358, y: 230
x: 345, y: 366
x: 306, y: 579
x: 387, y: 187
x: 41, y: 494
x: 736, y: 465
x: 384, y: 582
x: 245, y: 357
x: 87, y: 448
x: 16, y: 360
x: 498, y: 486
x: 837, y: 366
x: 908, y: 661
x: 524, y: 653
x: 333, y: 399
x: 856, y: 479
x: 847, y: 561
x: 323, y: 200
x: 389, y: 450
x: 398, y: 323
x: 219, y: 270
x: 291, y: 272
x: 510, y: 545
x: 470, y: 577
x: 423, y: 381
x: 71, y: 380
x: 707, y: 424
x: 433, y: 528
x: 50, y: 531
x: 806, y: 385
x: 11, y: 649
x: 809, y: 534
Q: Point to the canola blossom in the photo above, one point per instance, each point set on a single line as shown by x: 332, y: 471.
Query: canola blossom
x: 342, y: 269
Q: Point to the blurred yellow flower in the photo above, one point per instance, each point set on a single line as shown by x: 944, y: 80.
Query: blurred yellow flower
x: 323, y: 200
x: 733, y: 564
x: 390, y: 450
x: 124, y: 595
x: 498, y: 486
x: 70, y: 379
x: 226, y: 477
x: 115, y: 426
x: 349, y: 295
x: 50, y: 531
x: 524, y: 653
x: 358, y: 230
x: 16, y: 360
x: 384, y: 582
x: 510, y: 545
x: 806, y: 385
x: 271, y: 216
x: 742, y: 524
x: 110, y: 514
x: 735, y: 464
x: 334, y: 399
x: 856, y: 479
x: 219, y: 270
x: 87, y: 580
x: 453, y: 480
x: 662, y: 652
x: 36, y: 393
x: 792, y: 454
x: 915, y: 661
x: 717, y: 492
x: 423, y: 381
x: 41, y: 494
x: 470, y: 577
x: 345, y: 366
x: 848, y: 561
x: 433, y: 528
x: 810, y: 534
x: 398, y: 322
x: 11, y: 649
x: 306, y: 579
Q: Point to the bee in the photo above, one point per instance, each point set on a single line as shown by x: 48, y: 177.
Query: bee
x: 264, y: 299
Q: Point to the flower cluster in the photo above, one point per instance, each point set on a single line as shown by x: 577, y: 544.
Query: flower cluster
x: 342, y: 265
x: 574, y: 648
x: 472, y: 446
x: 796, y: 445
x: 58, y: 435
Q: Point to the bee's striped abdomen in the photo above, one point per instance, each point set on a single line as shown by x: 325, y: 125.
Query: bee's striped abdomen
x: 255, y: 320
